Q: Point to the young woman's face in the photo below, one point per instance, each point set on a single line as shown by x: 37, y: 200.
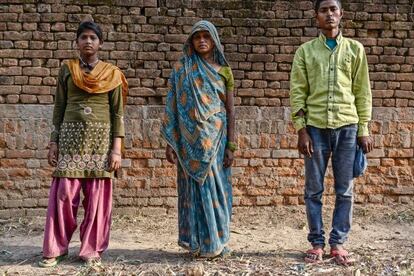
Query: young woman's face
x: 88, y: 43
x: 329, y: 15
x: 203, y: 42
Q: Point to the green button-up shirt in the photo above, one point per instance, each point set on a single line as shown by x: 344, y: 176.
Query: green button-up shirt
x: 331, y: 86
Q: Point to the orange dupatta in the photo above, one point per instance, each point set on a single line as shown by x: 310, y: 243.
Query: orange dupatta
x: 103, y: 78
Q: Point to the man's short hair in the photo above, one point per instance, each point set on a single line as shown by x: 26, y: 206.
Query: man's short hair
x: 318, y: 4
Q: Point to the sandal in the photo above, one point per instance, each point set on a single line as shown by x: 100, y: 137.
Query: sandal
x: 52, y: 262
x: 94, y: 261
x: 226, y: 252
x: 341, y: 256
x: 314, y: 255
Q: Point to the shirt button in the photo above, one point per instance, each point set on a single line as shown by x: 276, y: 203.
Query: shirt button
x: 331, y: 68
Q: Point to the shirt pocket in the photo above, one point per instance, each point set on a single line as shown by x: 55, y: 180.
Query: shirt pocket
x: 345, y: 70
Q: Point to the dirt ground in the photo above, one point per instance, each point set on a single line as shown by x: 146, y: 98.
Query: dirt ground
x: 265, y: 241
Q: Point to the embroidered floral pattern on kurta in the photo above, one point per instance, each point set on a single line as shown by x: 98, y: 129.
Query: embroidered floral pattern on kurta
x: 83, y: 126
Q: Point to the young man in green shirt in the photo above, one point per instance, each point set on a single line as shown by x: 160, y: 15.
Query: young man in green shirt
x: 331, y: 106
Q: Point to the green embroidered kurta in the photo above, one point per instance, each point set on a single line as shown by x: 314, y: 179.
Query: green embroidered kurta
x: 84, y: 127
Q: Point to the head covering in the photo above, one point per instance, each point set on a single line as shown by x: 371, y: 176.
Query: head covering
x: 218, y: 51
x: 195, y: 116
x: 103, y: 78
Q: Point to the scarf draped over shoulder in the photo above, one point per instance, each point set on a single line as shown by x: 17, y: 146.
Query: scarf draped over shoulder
x: 103, y: 78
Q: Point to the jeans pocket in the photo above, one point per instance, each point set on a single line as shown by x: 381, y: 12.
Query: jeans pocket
x: 349, y: 136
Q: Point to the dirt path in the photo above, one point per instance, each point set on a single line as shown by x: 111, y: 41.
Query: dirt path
x: 265, y: 241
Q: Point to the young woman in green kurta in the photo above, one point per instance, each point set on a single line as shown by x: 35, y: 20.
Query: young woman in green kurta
x: 85, y: 148
x: 88, y: 128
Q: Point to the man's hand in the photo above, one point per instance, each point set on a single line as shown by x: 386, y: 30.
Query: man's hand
x: 170, y: 154
x: 365, y: 142
x: 305, y: 143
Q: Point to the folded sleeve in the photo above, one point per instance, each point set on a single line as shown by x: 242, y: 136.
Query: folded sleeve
x: 60, y: 104
x: 361, y: 88
x: 299, y: 89
x: 117, y: 112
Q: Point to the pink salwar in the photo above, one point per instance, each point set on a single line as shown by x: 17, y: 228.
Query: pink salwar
x: 62, y: 211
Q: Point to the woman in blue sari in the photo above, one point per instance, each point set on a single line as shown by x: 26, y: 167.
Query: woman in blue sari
x: 199, y: 129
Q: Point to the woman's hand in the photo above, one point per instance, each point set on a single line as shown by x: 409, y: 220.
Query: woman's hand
x: 114, y: 161
x: 52, y: 155
x: 228, y: 158
x: 170, y: 154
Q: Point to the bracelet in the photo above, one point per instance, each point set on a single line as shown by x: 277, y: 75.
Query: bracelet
x: 115, y: 153
x: 231, y: 146
x: 52, y: 143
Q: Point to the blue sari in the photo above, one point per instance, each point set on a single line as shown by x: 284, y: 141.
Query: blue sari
x: 195, y: 126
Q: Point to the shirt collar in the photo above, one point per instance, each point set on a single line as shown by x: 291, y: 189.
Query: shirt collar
x: 323, y: 38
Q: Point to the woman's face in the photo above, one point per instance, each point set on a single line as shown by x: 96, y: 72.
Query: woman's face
x: 202, y: 42
x: 88, y: 43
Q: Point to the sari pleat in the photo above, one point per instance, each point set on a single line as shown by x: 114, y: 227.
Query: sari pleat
x: 204, y: 211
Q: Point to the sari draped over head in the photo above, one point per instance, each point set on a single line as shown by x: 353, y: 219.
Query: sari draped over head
x: 195, y: 122
x: 195, y: 126
x: 103, y: 78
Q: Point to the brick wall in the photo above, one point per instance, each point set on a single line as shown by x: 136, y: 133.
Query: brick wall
x: 144, y: 37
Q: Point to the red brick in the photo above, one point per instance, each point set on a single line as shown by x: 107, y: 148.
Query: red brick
x: 30, y: 89
x: 12, y: 99
x: 35, y: 81
x: 400, y: 153
x: 276, y: 76
x: 10, y: 71
x: 65, y: 54
x: 10, y: 89
x: 405, y: 77
x: 11, y: 53
x: 46, y: 99
x: 36, y: 71
x: 37, y: 54
x: 151, y: 55
x: 253, y: 92
x: 13, y: 35
x: 28, y: 99
x: 260, y: 57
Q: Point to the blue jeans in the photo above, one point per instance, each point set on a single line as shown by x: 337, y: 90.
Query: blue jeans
x: 341, y: 144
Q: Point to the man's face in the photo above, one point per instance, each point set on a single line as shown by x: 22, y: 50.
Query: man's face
x: 329, y: 15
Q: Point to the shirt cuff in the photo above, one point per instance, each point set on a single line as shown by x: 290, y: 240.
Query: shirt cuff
x: 54, y: 136
x: 118, y: 135
x: 363, y: 130
x: 299, y: 123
